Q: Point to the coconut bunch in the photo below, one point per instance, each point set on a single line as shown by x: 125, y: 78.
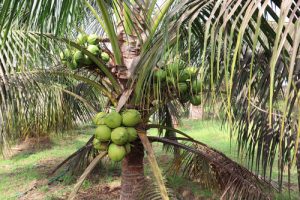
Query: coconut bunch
x: 115, y: 132
x: 74, y: 58
x: 183, y: 80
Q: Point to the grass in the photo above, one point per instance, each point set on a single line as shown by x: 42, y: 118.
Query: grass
x: 22, y: 169
x: 212, y: 133
x: 19, y: 172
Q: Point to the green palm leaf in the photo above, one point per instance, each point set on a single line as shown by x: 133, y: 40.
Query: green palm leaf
x: 241, y: 57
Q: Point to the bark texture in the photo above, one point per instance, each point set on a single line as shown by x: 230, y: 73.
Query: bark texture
x: 132, y: 179
x: 132, y: 173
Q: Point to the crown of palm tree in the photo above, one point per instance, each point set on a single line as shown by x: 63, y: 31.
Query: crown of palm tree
x: 242, y: 58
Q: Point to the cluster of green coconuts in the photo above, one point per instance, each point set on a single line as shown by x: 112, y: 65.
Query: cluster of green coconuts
x: 74, y: 58
x: 115, y: 132
x: 184, y: 79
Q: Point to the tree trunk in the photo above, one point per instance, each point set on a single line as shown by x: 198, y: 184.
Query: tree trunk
x: 133, y: 178
x: 132, y: 173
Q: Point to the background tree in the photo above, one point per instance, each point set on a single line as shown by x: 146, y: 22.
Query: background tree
x: 240, y: 57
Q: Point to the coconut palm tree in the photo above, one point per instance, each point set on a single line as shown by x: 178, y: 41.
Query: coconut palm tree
x: 244, y: 54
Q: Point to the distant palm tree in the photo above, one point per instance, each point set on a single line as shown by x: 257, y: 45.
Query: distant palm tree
x: 240, y: 59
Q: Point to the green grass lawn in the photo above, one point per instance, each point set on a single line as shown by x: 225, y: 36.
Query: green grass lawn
x: 20, y: 171
x: 17, y: 173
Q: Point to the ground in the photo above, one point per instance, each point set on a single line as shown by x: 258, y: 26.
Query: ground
x: 25, y: 175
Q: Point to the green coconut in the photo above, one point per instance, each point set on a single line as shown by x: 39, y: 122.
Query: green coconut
x: 79, y: 57
x: 128, y: 148
x: 102, y: 146
x: 105, y: 57
x: 116, y: 153
x: 184, y: 76
x: 72, y: 65
x: 195, y: 100
x: 113, y: 119
x: 131, y: 117
x: 92, y: 39
x: 119, y: 136
x: 66, y: 55
x: 61, y: 55
x: 160, y: 75
x: 103, y: 133
x: 182, y: 87
x: 94, y: 50
x: 96, y: 142
x: 184, y: 98
x: 99, y: 118
x: 196, y: 86
x: 174, y: 68
x: 191, y: 71
x: 132, y: 134
x: 87, y: 60
x: 64, y: 62
x: 82, y: 38
x: 170, y: 80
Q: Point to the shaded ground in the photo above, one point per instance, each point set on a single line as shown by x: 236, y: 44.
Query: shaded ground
x: 95, y: 192
x: 101, y: 192
x: 25, y: 175
x: 30, y: 145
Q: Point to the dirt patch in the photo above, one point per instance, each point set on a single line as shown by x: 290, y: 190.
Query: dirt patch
x: 41, y: 189
x: 96, y: 192
x: 37, y: 193
x: 101, y: 192
x: 46, y: 166
x: 164, y: 159
x: 187, y: 193
x: 30, y: 145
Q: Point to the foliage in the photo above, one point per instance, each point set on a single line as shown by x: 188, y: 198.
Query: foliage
x: 239, y: 54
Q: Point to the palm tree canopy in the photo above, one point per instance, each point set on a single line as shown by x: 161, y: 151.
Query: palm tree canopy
x: 246, y: 53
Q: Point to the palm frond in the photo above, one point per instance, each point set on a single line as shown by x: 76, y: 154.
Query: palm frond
x: 246, y: 59
x: 201, y: 161
x: 30, y: 106
x: 241, y: 55
x: 151, y: 191
x: 23, y: 51
x: 55, y: 16
x: 154, y: 165
x: 74, y: 157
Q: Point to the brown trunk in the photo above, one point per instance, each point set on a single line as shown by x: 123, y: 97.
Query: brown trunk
x: 132, y: 173
x: 132, y: 165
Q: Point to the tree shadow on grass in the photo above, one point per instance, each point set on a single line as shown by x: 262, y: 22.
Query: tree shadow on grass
x: 28, y: 147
